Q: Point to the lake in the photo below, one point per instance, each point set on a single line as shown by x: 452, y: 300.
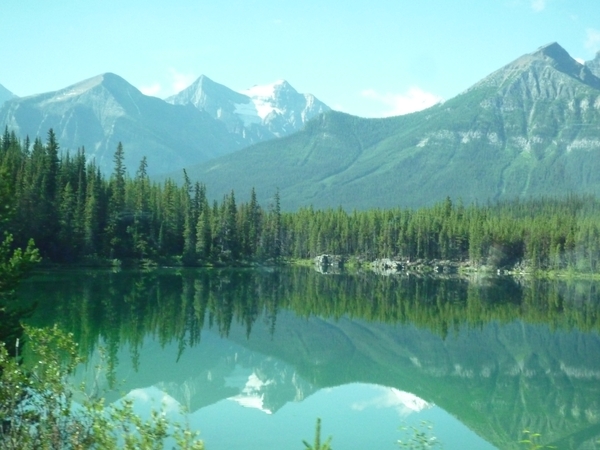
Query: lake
x: 255, y: 356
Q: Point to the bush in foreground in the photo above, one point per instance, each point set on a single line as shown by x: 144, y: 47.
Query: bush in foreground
x: 37, y: 409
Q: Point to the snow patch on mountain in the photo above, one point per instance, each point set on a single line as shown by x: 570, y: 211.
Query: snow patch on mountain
x: 252, y: 394
x: 255, y: 114
x: 264, y: 98
x: 404, y: 402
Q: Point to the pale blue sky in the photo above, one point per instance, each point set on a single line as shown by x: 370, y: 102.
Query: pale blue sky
x: 369, y: 58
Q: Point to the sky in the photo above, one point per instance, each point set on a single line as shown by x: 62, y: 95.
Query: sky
x: 372, y: 58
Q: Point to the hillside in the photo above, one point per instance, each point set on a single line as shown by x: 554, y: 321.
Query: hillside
x: 528, y: 129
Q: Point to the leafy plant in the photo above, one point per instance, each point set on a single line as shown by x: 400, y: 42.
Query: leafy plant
x: 532, y: 441
x: 420, y: 437
x: 317, y: 444
x: 38, y: 410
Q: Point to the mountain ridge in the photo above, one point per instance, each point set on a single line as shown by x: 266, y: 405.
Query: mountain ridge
x: 5, y: 94
x: 527, y: 129
x: 256, y: 114
x: 101, y: 111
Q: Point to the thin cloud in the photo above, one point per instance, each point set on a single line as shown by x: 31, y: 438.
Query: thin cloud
x: 592, y: 41
x: 538, y: 5
x: 415, y: 99
x: 179, y: 81
x: 153, y: 90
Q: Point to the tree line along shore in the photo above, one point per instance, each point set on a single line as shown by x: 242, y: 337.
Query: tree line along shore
x: 76, y: 214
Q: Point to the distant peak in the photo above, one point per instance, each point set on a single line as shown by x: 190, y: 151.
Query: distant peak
x: 104, y: 78
x: 560, y: 59
x: 203, y: 83
x: 268, y: 90
x: 203, y: 79
x: 112, y: 76
x: 283, y: 85
x: 554, y: 51
x: 109, y: 81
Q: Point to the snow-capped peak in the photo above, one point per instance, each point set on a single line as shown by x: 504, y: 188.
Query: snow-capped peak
x: 267, y: 91
x: 258, y: 113
x: 251, y: 395
x: 263, y: 102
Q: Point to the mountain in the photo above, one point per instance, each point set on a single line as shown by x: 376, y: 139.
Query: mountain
x: 100, y: 112
x: 5, y: 94
x: 528, y: 129
x: 594, y: 65
x: 255, y: 114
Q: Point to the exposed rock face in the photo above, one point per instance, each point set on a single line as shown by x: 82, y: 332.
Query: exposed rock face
x: 329, y: 263
x: 594, y: 65
x: 5, y: 94
x: 387, y: 266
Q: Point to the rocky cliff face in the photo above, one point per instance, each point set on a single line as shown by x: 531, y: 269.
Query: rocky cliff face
x: 594, y: 65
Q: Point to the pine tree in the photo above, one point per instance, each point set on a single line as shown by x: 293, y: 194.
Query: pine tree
x: 115, y: 230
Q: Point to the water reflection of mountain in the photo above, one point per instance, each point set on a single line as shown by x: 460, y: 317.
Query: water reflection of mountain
x: 214, y: 370
x: 500, y: 356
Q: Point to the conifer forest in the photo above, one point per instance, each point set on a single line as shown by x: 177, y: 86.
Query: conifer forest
x: 76, y: 214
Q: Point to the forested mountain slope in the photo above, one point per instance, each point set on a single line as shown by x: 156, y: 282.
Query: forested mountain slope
x: 528, y: 129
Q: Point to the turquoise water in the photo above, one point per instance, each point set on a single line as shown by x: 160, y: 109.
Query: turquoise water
x: 256, y: 356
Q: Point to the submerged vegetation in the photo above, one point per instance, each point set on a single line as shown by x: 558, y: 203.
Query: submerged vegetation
x: 76, y: 214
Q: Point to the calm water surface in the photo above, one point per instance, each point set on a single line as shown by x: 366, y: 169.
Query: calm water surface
x: 256, y: 356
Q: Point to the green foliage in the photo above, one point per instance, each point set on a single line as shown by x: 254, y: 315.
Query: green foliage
x: 317, y: 445
x: 419, y: 437
x: 14, y: 264
x: 81, y: 216
x: 532, y: 441
x: 38, y: 409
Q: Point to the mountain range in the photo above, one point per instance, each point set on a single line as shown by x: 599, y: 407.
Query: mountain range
x: 528, y: 129
x: 256, y: 114
x: 202, y: 122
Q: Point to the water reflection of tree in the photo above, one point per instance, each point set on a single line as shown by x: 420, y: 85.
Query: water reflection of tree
x: 123, y: 307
